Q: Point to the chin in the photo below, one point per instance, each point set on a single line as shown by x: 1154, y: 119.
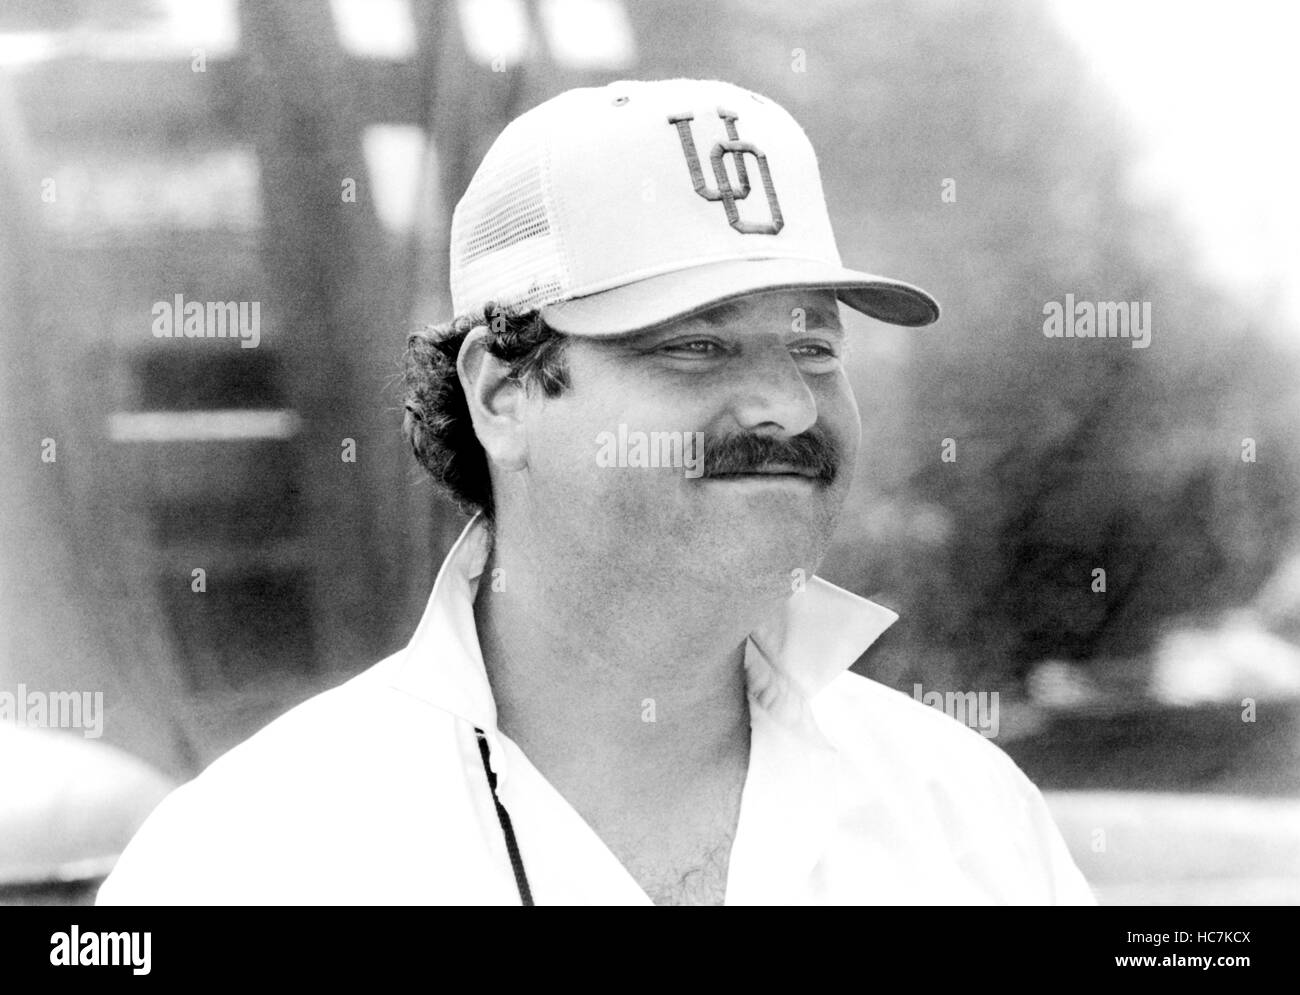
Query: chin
x: 761, y: 556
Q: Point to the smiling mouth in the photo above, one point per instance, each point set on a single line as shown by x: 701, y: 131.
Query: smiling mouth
x: 772, y: 471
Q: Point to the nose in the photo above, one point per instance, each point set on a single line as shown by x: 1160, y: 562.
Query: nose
x: 771, y: 396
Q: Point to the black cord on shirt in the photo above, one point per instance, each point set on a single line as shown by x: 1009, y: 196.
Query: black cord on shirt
x: 512, y: 845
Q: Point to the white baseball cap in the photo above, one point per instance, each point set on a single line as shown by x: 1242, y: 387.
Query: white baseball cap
x: 618, y: 208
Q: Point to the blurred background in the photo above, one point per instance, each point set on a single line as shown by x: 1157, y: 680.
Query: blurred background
x: 304, y: 154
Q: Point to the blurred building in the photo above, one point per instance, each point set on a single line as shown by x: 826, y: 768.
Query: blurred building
x: 230, y: 524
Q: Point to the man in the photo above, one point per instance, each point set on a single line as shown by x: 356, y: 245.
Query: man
x: 629, y: 686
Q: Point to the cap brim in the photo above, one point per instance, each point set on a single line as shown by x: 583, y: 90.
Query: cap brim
x: 671, y: 296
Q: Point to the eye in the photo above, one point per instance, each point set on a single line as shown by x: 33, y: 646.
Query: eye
x: 693, y: 348
x: 815, y: 350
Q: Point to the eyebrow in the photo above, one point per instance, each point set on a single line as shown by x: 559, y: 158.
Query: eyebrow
x: 816, y: 318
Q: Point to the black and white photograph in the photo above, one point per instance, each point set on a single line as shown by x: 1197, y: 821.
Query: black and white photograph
x: 651, y: 453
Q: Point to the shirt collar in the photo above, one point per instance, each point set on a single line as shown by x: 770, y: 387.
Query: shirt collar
x: 821, y: 631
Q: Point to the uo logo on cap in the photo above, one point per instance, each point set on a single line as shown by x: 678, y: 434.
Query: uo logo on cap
x: 724, y: 191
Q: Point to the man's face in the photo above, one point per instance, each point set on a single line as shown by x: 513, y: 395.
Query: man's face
x: 763, y: 380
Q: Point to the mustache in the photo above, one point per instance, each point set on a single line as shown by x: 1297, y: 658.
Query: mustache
x: 813, y: 452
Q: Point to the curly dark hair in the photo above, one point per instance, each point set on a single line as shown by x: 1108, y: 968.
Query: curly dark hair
x: 437, y: 422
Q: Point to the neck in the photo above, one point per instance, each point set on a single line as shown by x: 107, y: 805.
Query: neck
x: 610, y: 685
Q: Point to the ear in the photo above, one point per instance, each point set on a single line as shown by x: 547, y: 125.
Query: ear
x: 496, y: 402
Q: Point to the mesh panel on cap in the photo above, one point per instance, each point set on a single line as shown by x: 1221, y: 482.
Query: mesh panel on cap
x: 508, y: 214
x: 504, y: 246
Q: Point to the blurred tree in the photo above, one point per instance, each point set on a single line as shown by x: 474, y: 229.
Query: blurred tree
x: 1071, y: 454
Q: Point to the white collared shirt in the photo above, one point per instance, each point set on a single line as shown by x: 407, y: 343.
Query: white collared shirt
x: 374, y: 792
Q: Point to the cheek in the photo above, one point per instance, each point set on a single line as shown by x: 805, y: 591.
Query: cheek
x: 569, y: 459
x: 838, y: 411
x: 561, y: 450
